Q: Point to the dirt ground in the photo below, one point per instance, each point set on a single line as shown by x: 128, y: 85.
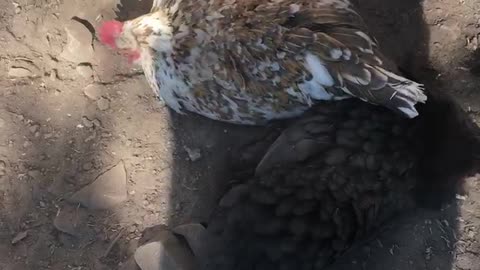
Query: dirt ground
x: 73, y: 113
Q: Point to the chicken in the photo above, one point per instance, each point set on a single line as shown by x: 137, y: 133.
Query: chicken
x: 332, y: 179
x: 248, y: 62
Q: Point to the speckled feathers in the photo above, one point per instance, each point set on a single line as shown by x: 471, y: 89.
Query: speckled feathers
x: 248, y: 62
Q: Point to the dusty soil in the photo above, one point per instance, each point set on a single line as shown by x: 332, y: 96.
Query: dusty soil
x: 71, y: 110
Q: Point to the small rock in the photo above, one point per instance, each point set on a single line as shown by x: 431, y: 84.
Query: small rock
x: 19, y: 237
x: 18, y: 8
x: 87, y: 122
x: 87, y: 166
x: 79, y: 47
x: 103, y: 104
x: 85, y: 70
x: 193, y: 154
x: 165, y: 253
x: 93, y: 91
x: 2, y: 123
x: 107, y: 191
x: 233, y: 196
x: 53, y: 75
x: 34, y: 128
x: 19, y: 72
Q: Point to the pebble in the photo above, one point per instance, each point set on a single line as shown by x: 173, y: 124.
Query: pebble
x: 34, y: 128
x: 93, y: 91
x: 107, y: 191
x: 2, y: 123
x: 79, y: 46
x: 53, y: 75
x: 165, y: 253
x: 19, y: 72
x: 19, y: 237
x: 87, y: 166
x: 87, y: 122
x: 103, y: 104
x: 193, y: 154
x: 85, y: 70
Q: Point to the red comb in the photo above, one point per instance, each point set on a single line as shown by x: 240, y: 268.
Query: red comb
x: 109, y: 31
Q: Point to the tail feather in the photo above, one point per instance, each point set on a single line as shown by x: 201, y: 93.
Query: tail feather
x: 405, y: 94
x: 390, y: 90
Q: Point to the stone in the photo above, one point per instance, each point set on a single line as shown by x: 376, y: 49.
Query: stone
x: 165, y: 252
x: 93, y: 91
x: 103, y: 104
x: 19, y: 237
x: 85, y: 70
x: 19, y: 72
x: 79, y: 45
x: 193, y: 154
x: 107, y: 191
x: 87, y: 122
x: 34, y: 128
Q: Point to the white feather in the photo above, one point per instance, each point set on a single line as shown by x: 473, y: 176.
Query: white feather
x: 318, y: 70
x: 315, y: 88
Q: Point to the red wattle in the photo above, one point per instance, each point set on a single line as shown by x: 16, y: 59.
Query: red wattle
x: 109, y: 31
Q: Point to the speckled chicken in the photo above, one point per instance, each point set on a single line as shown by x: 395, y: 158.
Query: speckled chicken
x: 332, y: 179
x: 248, y: 61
